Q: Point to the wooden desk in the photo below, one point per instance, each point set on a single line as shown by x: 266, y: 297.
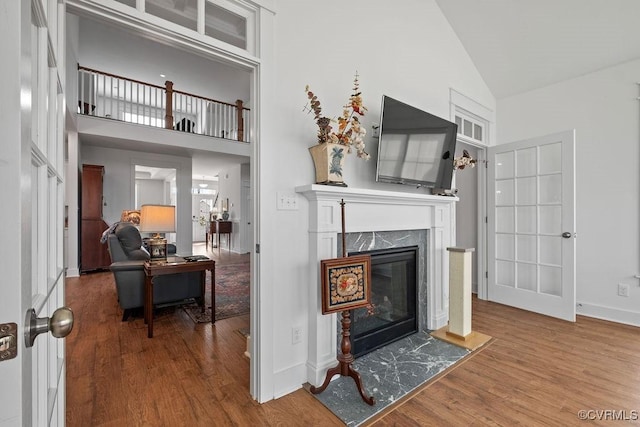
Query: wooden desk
x: 213, y: 229
x: 172, y: 266
x: 225, y: 227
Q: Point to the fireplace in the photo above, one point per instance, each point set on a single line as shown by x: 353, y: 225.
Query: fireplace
x: 394, y: 293
x: 375, y: 219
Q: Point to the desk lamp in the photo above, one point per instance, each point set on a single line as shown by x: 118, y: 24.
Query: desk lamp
x: 158, y: 219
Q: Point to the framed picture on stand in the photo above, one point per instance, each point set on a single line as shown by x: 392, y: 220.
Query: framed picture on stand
x: 345, y: 283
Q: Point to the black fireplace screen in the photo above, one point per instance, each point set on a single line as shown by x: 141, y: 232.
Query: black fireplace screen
x: 392, y: 314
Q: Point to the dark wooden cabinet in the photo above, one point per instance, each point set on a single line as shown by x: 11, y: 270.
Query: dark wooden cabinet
x: 218, y: 228
x: 93, y: 254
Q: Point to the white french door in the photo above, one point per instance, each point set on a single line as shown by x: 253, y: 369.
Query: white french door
x: 32, y: 177
x: 531, y: 224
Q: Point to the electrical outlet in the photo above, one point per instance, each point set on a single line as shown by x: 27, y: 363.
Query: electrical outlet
x: 287, y: 201
x: 623, y: 289
x: 296, y: 335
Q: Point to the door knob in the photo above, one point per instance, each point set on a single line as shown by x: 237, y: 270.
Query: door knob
x: 566, y: 235
x: 60, y: 324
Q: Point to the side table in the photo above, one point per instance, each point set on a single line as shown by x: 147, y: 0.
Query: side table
x: 175, y: 265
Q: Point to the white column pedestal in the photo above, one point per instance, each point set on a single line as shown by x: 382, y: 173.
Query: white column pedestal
x: 460, y: 291
x: 458, y: 331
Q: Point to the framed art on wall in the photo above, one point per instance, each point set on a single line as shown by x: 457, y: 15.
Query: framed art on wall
x: 345, y: 283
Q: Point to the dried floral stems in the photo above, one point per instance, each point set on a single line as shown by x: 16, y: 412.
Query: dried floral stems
x: 350, y: 133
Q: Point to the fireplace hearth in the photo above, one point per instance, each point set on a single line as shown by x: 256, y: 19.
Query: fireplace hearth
x: 394, y: 292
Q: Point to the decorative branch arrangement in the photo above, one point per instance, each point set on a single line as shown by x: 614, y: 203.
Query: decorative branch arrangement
x: 350, y: 132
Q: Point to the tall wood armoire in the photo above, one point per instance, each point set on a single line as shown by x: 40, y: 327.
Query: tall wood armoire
x: 94, y: 255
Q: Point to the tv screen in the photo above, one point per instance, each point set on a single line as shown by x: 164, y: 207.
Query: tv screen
x: 415, y: 147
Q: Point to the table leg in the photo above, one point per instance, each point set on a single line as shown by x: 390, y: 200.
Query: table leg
x: 203, y: 289
x: 213, y: 293
x: 148, y: 304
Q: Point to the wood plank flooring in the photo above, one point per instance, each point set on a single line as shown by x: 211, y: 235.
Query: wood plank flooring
x: 536, y: 371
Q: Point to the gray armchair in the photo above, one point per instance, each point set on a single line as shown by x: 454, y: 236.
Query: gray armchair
x: 127, y: 265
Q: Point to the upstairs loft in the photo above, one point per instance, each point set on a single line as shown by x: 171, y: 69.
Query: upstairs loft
x: 108, y: 96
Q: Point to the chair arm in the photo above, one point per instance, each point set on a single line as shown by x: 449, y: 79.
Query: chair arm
x: 126, y: 266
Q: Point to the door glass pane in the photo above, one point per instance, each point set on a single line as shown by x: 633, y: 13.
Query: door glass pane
x: 505, y: 271
x: 505, y: 165
x: 551, y: 250
x: 527, y: 277
x: 527, y: 250
x: 504, y: 192
x: 505, y: 246
x: 551, y: 158
x: 550, y: 219
x: 504, y: 220
x: 550, y: 189
x: 551, y: 280
x: 526, y: 219
x: 224, y: 25
x: 526, y: 191
x: 526, y: 162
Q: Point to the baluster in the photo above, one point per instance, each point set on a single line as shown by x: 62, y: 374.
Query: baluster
x: 168, y: 118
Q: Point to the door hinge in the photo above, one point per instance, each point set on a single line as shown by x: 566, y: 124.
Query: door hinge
x: 257, y: 248
x: 486, y: 220
x: 486, y: 274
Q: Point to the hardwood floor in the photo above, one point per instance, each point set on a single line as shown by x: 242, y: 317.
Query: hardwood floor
x: 536, y: 371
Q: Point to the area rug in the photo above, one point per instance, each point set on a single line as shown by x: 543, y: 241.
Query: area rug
x: 232, y: 294
x: 389, y: 374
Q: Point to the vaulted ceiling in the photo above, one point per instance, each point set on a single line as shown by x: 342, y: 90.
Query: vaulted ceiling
x: 520, y: 45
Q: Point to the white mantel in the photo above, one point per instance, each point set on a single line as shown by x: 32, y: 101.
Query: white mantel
x: 372, y: 210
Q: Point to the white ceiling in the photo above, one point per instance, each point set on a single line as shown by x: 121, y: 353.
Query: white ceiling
x: 520, y: 45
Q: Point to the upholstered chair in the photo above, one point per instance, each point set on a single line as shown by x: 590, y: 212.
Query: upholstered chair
x: 127, y: 264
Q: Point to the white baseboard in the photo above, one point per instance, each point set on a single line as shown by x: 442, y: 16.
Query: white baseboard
x: 608, y: 313
x: 288, y: 380
x: 73, y: 272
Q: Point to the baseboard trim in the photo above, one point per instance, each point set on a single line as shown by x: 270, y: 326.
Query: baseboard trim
x: 73, y: 272
x: 609, y: 313
x: 288, y: 380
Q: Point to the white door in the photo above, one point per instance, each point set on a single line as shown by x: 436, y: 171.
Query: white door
x: 32, y: 177
x: 531, y: 216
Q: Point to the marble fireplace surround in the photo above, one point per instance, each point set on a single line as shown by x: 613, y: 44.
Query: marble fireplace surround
x: 372, y: 211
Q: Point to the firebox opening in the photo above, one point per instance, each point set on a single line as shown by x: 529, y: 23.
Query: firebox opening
x: 394, y: 296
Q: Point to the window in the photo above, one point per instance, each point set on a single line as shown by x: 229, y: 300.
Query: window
x: 470, y: 126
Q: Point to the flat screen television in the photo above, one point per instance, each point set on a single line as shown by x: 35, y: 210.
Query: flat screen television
x: 415, y: 147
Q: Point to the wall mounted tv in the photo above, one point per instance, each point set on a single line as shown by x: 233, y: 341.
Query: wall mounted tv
x: 415, y: 147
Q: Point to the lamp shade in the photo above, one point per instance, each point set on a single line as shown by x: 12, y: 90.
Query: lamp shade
x: 158, y: 219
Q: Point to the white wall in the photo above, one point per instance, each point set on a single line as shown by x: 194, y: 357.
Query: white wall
x: 119, y: 178
x: 229, y: 181
x: 412, y: 56
x: 150, y: 191
x: 603, y: 108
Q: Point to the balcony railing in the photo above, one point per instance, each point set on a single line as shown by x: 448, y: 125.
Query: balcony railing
x: 107, y: 95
